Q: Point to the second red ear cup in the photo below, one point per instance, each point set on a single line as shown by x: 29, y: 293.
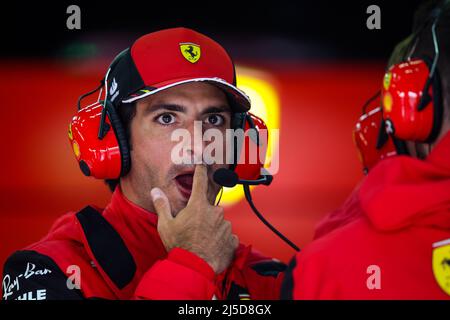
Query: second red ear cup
x: 99, y: 158
x: 252, y: 156
x: 365, y: 136
x: 402, y: 93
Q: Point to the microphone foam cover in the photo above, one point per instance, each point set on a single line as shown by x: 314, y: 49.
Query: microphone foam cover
x: 225, y: 177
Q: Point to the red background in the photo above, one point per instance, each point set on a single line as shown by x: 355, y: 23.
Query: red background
x: 320, y: 103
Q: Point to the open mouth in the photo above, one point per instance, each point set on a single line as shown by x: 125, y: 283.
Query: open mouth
x: 184, y: 184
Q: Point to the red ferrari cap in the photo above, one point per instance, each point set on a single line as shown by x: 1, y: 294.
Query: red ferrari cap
x: 167, y: 58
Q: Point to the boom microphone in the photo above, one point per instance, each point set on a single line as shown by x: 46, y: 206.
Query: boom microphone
x: 228, y: 178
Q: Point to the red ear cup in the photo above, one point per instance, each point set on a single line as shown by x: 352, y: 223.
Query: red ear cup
x: 99, y: 158
x: 252, y: 156
x: 403, y: 99
x: 366, y: 135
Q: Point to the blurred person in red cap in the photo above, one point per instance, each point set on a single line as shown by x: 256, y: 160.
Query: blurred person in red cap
x: 397, y: 243
x: 161, y: 236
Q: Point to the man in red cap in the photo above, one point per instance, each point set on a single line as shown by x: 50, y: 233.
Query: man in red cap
x: 397, y: 245
x: 161, y: 236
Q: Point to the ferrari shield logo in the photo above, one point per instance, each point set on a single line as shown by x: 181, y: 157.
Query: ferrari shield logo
x: 190, y: 51
x: 441, y: 264
x: 70, y: 132
x: 387, y: 80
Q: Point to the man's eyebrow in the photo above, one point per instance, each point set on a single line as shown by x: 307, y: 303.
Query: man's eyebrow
x: 163, y: 106
x: 216, y: 109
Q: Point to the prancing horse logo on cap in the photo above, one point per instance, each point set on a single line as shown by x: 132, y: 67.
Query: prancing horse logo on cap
x: 190, y: 51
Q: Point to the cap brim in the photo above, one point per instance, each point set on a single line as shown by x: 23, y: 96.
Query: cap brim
x: 240, y: 102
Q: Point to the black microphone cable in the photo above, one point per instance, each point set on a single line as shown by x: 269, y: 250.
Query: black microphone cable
x: 229, y: 178
x: 248, y: 196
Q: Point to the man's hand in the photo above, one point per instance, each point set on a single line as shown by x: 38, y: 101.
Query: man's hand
x: 199, y: 228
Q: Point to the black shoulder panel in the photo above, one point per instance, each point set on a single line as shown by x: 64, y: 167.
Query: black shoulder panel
x: 108, y: 247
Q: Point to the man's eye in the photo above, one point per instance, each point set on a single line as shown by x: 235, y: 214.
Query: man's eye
x: 215, y: 120
x: 166, y: 119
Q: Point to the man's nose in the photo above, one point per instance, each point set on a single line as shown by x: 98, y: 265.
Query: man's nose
x: 197, y: 145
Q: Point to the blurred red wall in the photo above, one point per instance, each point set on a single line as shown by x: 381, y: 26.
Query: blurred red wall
x: 320, y: 103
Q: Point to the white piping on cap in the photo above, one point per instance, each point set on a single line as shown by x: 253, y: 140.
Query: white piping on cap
x: 218, y: 80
